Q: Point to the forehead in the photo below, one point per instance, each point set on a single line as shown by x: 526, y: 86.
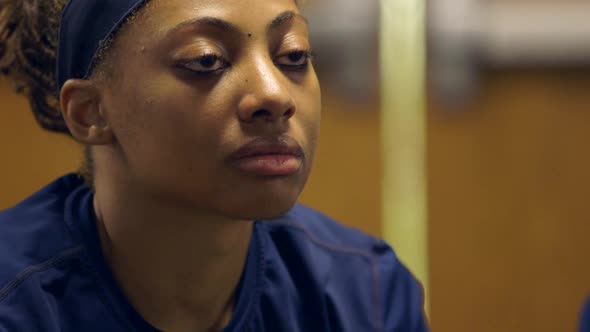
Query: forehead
x: 159, y: 16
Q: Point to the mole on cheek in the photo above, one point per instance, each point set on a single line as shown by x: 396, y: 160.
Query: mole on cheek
x: 249, y: 35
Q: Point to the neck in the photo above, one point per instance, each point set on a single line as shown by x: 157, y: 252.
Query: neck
x: 179, y: 268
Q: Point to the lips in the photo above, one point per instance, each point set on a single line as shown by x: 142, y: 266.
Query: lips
x: 276, y: 156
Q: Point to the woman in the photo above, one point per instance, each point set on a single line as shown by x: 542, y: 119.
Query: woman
x: 200, y: 120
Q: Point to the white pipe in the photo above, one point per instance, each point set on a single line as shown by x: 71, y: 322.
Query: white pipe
x: 403, y: 122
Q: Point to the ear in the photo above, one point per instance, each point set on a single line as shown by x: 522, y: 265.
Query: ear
x: 81, y: 108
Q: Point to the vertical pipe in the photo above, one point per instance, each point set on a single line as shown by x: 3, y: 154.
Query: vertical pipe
x: 402, y: 56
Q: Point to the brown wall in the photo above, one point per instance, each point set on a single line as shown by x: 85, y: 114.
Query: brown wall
x: 346, y: 179
x: 343, y: 186
x: 509, y: 181
x: 29, y: 157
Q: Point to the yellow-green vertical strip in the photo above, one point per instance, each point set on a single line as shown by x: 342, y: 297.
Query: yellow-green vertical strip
x: 403, y: 121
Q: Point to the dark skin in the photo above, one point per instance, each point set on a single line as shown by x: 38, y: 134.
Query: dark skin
x: 181, y: 98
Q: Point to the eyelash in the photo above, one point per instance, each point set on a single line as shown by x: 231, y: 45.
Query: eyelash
x: 308, y: 56
x: 186, y: 64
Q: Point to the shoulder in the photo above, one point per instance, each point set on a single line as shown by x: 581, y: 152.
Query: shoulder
x: 325, y: 246
x: 312, y: 231
x: 34, y: 238
x: 361, y: 273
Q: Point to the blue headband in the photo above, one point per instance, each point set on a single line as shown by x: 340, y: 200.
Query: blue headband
x: 85, y: 25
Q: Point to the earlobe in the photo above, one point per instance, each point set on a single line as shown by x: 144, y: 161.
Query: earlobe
x: 81, y: 109
x: 100, y: 134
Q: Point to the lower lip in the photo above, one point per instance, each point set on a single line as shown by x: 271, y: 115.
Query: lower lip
x: 270, y: 165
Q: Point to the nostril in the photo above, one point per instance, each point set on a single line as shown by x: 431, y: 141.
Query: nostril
x: 261, y: 114
x: 289, y: 113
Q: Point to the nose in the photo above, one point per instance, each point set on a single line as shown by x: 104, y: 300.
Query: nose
x: 267, y: 97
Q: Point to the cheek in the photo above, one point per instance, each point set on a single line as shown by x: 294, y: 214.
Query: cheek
x: 162, y: 124
x: 310, y: 105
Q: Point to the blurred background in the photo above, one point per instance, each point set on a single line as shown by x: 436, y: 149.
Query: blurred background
x: 456, y: 129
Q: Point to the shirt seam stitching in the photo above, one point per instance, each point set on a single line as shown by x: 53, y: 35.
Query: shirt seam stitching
x: 370, y: 258
x: 34, y: 269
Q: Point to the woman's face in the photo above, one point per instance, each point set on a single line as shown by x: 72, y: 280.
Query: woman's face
x: 214, y: 103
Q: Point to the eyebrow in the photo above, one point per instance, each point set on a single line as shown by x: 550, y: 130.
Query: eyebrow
x: 284, y: 18
x: 207, y: 21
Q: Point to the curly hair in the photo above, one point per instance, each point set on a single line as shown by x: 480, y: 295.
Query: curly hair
x: 29, y: 32
x: 29, y: 37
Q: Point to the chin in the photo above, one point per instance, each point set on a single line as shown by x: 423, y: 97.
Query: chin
x: 264, y: 203
x: 271, y: 210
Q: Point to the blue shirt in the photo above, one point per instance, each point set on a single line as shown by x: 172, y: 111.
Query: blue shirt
x: 585, y: 318
x: 304, y: 272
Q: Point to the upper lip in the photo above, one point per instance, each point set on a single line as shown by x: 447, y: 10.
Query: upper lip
x: 262, y: 146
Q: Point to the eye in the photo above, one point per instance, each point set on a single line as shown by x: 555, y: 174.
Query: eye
x: 207, y: 63
x: 295, y: 60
